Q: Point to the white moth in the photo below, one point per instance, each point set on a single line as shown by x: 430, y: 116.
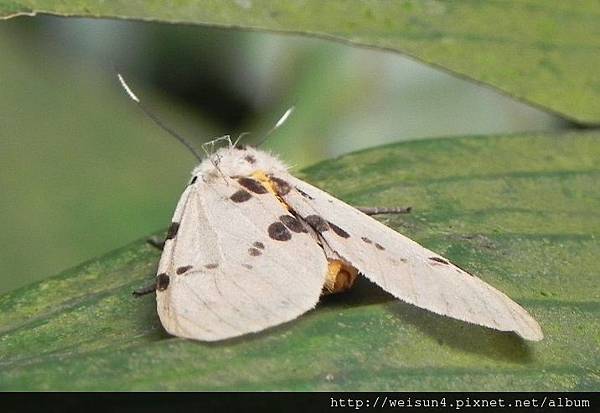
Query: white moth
x: 250, y: 247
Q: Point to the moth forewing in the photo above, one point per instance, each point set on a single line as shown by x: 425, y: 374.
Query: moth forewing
x: 232, y: 265
x: 404, y: 268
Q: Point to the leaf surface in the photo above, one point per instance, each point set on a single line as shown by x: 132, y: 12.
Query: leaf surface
x: 545, y: 52
x: 519, y: 211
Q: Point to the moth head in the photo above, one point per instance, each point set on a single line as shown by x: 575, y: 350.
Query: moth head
x: 238, y: 161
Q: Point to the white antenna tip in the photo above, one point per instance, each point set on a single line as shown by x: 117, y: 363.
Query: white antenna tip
x: 284, y: 117
x: 128, y: 90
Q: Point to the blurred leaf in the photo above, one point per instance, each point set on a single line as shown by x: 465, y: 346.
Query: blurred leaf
x: 545, y: 52
x: 77, y: 155
x: 520, y: 211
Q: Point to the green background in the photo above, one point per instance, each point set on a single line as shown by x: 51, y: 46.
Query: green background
x: 82, y: 171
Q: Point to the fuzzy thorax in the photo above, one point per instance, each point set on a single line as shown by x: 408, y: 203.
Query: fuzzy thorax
x: 232, y: 161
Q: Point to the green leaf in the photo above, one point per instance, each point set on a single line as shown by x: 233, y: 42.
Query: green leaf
x: 520, y: 211
x: 545, y: 52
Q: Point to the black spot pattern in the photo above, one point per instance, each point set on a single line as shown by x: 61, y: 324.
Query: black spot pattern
x: 283, y: 188
x: 279, y: 232
x: 255, y: 252
x: 241, y: 196
x: 172, y: 231
x: 292, y: 223
x: 183, y: 269
x: 379, y: 246
x: 248, y: 266
x: 211, y: 266
x: 340, y: 232
x: 461, y: 270
x: 438, y: 259
x: 304, y: 194
x: 396, y: 262
x: 194, y: 179
x: 162, y: 282
x: 367, y: 240
x: 250, y: 159
x: 252, y: 185
x: 259, y: 244
x: 318, y: 223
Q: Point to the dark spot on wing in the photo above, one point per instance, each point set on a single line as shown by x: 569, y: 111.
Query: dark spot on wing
x: 292, y: 223
x: 193, y: 181
x: 250, y: 159
x: 162, y: 282
x: 304, y: 194
x: 318, y: 223
x: 283, y: 188
x: 211, y: 266
x: 379, y: 246
x: 279, y: 232
x: 172, y: 231
x: 183, y: 269
x: 248, y: 266
x: 255, y: 252
x: 241, y: 196
x: 252, y: 185
x: 396, y: 262
x: 438, y: 259
x: 462, y: 270
x: 367, y: 240
x: 340, y: 232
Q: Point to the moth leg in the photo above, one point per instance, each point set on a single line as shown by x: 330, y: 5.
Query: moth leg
x: 156, y: 242
x: 377, y: 211
x: 145, y: 290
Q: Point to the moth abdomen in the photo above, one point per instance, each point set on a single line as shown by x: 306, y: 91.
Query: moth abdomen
x: 341, y: 277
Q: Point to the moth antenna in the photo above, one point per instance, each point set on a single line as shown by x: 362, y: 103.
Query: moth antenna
x: 209, y: 154
x: 156, y: 120
x: 278, y: 124
x: 241, y: 135
x: 219, y: 139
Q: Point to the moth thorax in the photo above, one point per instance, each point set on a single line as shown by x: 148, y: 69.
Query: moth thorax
x: 265, y: 181
x: 340, y: 277
x: 269, y: 185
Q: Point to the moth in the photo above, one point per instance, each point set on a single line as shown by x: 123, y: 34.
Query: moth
x: 250, y: 247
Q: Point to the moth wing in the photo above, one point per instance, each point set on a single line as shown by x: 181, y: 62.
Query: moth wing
x: 406, y: 269
x: 227, y: 275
